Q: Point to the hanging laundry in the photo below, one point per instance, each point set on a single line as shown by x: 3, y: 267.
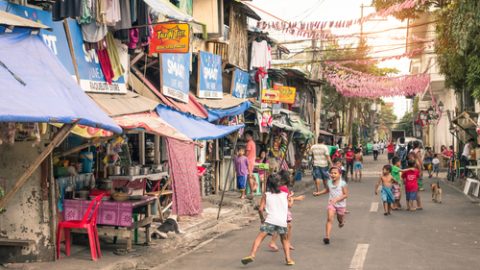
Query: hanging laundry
x: 94, y: 32
x: 143, y: 20
x: 101, y: 11
x: 259, y: 54
x: 115, y: 62
x: 63, y: 9
x: 112, y: 15
x: 126, y: 16
x: 87, y: 13
x: 105, y: 65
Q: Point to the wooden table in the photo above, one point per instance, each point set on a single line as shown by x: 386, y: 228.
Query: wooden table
x: 116, y: 219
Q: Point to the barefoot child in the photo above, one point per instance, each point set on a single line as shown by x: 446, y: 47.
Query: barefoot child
x: 436, y: 165
x: 386, y: 180
x: 241, y: 167
x: 410, y: 178
x: 397, y: 182
x: 275, y: 203
x: 357, y: 165
x: 285, y: 176
x: 338, y: 192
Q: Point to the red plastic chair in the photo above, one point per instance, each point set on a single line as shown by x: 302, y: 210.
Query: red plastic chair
x: 88, y: 222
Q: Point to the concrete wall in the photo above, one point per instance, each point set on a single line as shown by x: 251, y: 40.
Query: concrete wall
x: 25, y: 217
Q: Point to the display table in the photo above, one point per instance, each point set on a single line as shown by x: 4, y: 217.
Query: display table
x: 136, y: 181
x: 475, y: 168
x: 116, y: 219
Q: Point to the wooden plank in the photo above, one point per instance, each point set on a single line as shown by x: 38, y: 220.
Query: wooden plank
x: 57, y: 139
x: 72, y: 51
x: 16, y: 242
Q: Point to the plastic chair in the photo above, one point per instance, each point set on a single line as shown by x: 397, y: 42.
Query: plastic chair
x: 89, y: 223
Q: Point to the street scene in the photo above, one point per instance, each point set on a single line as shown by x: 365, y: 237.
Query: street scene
x: 239, y: 134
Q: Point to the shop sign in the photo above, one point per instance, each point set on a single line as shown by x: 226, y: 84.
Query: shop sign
x: 287, y: 94
x: 209, y: 76
x: 170, y: 38
x: 240, y: 81
x: 270, y: 96
x: 175, y: 78
x: 90, y: 72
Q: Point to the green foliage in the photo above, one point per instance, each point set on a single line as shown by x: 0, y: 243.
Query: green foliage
x: 386, y: 116
x: 406, y: 124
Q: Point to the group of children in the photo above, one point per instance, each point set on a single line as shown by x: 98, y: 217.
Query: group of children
x: 391, y: 182
x: 276, y: 217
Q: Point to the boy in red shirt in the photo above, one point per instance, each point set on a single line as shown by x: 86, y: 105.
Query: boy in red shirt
x: 349, y: 155
x: 410, y: 178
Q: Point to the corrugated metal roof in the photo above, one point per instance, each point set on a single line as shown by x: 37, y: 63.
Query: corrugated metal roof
x: 121, y: 104
x: 8, y: 19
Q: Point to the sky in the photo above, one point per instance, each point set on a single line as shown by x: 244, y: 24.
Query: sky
x: 388, y: 42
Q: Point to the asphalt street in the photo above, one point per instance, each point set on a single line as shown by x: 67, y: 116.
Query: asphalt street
x: 442, y: 236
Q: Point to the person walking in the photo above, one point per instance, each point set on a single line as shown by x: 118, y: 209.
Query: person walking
x: 390, y: 151
x: 401, y: 152
x: 375, y: 150
x: 464, y: 159
x: 349, y: 157
x: 321, y: 161
x: 251, y: 154
x: 358, y: 165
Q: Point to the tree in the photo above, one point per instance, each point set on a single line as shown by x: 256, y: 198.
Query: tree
x: 413, y: 12
x: 406, y: 124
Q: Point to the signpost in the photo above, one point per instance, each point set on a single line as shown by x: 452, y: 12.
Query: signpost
x: 209, y: 83
x: 175, y: 78
x: 170, y: 38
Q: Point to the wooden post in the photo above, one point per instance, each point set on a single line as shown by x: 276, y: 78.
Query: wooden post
x: 72, y: 51
x: 228, y: 175
x: 157, y: 150
x: 59, y: 137
x: 141, y: 143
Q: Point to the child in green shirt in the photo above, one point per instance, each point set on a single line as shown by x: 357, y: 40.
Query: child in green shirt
x: 397, y: 182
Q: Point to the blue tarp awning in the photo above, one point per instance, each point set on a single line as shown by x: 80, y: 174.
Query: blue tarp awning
x: 35, y: 87
x: 194, y: 128
x: 215, y: 114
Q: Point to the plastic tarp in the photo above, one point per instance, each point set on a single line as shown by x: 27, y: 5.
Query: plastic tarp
x: 215, y: 114
x: 168, y: 10
x: 151, y: 122
x: 35, y: 87
x: 195, y: 128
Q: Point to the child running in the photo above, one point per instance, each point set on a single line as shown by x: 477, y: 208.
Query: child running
x: 338, y: 192
x: 241, y: 167
x: 275, y: 203
x: 357, y: 165
x: 386, y: 180
x: 397, y: 182
x: 410, y: 178
x: 285, y: 176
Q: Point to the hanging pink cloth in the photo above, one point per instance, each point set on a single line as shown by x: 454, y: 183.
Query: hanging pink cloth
x: 185, y: 182
x: 105, y: 64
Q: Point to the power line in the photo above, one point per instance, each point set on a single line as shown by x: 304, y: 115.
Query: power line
x: 355, y: 48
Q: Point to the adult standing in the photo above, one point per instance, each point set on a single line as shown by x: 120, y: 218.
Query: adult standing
x: 349, y: 157
x: 321, y: 160
x: 382, y: 146
x: 466, y: 155
x: 251, y: 154
x: 402, y: 152
x: 390, y: 151
x: 375, y: 150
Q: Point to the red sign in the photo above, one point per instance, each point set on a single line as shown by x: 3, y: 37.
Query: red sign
x: 170, y: 38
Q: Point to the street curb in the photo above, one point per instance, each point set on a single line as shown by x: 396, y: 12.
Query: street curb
x: 469, y: 197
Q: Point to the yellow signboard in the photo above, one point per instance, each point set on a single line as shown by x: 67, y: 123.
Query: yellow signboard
x: 270, y: 96
x: 170, y: 38
x: 287, y: 94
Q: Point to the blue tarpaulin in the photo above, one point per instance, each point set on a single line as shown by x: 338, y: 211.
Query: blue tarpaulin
x: 215, y: 114
x: 195, y: 128
x: 35, y: 87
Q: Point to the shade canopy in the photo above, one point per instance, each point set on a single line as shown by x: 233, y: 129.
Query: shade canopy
x: 121, y: 104
x: 195, y: 128
x: 150, y: 122
x: 168, y: 10
x: 35, y: 87
x: 8, y: 19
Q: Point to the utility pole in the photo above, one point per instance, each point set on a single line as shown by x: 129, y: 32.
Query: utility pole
x: 317, y: 73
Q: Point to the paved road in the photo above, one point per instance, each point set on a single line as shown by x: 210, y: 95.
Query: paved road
x: 442, y: 236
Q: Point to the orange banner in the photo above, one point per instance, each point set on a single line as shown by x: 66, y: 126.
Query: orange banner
x: 287, y: 94
x: 170, y: 38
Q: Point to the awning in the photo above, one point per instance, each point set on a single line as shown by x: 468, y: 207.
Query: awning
x: 36, y: 87
x: 246, y: 10
x: 168, y: 10
x: 150, y: 122
x: 8, y: 19
x: 292, y: 121
x: 194, y: 128
x: 120, y: 104
x: 228, y: 106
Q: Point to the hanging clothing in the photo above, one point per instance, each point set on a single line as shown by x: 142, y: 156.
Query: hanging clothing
x: 101, y: 11
x: 125, y: 15
x: 143, y: 20
x: 112, y: 15
x: 185, y: 184
x: 63, y: 9
x: 94, y: 32
x: 87, y: 13
x: 260, y: 56
x: 105, y: 65
x: 115, y: 62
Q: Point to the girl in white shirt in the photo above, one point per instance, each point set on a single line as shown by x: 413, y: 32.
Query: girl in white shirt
x: 275, y: 203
